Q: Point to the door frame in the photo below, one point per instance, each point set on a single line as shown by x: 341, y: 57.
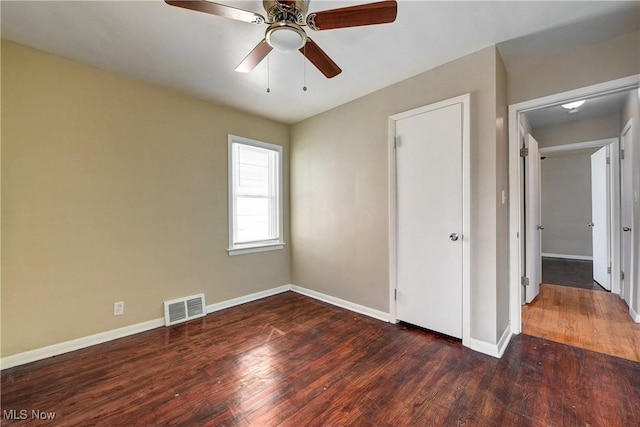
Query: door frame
x: 465, y: 100
x: 516, y: 180
x: 614, y: 201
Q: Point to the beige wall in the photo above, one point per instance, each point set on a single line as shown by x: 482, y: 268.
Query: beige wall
x: 114, y: 190
x: 502, y: 209
x: 340, y: 190
x: 593, y: 129
x: 613, y: 59
x: 566, y: 204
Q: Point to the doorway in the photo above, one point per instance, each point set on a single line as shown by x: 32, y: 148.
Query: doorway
x: 518, y: 235
x: 594, y: 320
x: 579, y: 198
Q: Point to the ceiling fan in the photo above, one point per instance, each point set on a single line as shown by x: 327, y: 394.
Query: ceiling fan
x: 285, y: 19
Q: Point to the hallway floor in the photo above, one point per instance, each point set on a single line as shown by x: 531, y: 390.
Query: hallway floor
x: 569, y: 272
x: 592, y: 320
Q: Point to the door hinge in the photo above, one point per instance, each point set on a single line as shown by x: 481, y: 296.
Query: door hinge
x: 524, y: 152
x: 524, y: 281
x: 608, y: 160
x: 395, y: 294
x: 622, y: 154
x: 609, y: 270
x: 622, y: 275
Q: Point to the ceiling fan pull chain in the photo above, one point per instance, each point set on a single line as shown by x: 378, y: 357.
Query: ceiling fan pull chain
x: 304, y: 68
x: 268, y: 79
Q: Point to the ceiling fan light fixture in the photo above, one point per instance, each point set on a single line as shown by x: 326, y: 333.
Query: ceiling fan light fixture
x: 573, y: 105
x: 285, y: 37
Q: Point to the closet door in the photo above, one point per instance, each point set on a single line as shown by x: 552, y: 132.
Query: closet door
x: 429, y: 219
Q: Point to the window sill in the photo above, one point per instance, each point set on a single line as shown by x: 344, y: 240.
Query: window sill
x: 241, y: 250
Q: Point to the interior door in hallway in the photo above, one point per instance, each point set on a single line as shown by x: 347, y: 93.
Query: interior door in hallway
x: 627, y: 196
x: 600, y: 221
x: 533, y: 234
x: 429, y: 219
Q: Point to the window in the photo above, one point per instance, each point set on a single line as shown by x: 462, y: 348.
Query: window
x: 255, y: 202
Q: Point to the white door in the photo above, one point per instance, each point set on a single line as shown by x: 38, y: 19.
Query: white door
x: 429, y: 220
x: 599, y: 217
x: 532, y: 218
x: 626, y: 175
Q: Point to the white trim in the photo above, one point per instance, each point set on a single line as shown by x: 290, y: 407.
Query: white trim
x: 367, y: 311
x: 495, y: 350
x: 247, y: 298
x: 635, y: 316
x: 465, y: 100
x: 252, y: 249
x: 515, y: 210
x: 577, y: 146
x: 567, y: 256
x: 77, y: 344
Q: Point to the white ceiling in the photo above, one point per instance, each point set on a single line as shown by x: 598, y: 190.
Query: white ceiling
x: 196, y: 53
x: 593, y: 107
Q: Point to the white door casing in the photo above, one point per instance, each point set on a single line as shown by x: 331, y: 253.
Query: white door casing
x: 429, y: 201
x: 600, y: 221
x: 532, y: 218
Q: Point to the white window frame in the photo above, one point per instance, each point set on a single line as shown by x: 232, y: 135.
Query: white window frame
x: 262, y: 245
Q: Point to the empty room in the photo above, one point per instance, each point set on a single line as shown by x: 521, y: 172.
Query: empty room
x: 208, y: 214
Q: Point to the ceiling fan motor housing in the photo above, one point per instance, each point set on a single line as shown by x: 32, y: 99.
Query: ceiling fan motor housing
x: 286, y: 10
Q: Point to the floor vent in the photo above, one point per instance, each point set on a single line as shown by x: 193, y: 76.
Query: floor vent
x: 183, y: 309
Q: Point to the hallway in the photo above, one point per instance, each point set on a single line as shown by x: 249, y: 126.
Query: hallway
x: 592, y: 320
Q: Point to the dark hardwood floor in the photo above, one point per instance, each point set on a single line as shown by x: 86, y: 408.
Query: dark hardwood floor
x: 293, y: 361
x: 574, y: 273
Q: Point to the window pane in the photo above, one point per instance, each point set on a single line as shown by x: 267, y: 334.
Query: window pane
x: 253, y: 219
x: 253, y: 171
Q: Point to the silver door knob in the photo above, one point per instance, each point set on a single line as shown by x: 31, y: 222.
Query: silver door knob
x: 626, y: 228
x: 453, y: 236
x: 540, y: 227
x: 590, y: 224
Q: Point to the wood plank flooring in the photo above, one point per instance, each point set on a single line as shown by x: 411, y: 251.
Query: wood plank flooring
x: 593, y: 320
x: 293, y: 361
x: 569, y: 272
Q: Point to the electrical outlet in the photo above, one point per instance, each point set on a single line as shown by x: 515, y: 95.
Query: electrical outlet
x: 118, y: 308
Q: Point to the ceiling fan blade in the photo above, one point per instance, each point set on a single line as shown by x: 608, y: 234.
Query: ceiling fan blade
x: 382, y: 12
x: 320, y: 59
x: 254, y: 57
x: 219, y: 9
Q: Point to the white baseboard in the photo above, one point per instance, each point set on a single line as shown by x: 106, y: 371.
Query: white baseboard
x: 376, y: 314
x: 247, y: 298
x: 77, y: 344
x: 495, y: 350
x: 565, y: 256
x: 635, y: 316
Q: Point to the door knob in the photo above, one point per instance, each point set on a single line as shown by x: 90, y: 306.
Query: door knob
x: 626, y: 228
x: 590, y: 224
x: 453, y: 236
x: 540, y: 227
